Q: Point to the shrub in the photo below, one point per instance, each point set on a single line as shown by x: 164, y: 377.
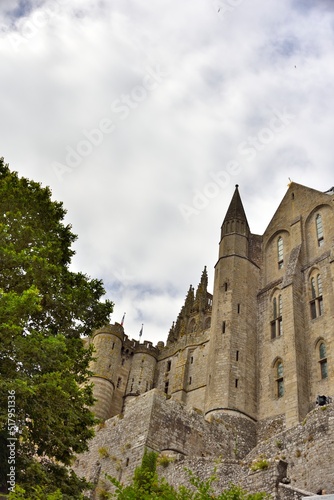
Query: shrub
x: 260, y: 464
x: 103, y: 452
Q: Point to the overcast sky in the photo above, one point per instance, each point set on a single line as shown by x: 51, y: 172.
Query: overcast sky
x: 142, y: 116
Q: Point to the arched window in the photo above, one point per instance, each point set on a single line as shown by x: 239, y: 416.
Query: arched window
x: 279, y: 379
x: 323, y: 360
x: 280, y: 252
x: 276, y: 323
x: 316, y: 302
x: 320, y: 230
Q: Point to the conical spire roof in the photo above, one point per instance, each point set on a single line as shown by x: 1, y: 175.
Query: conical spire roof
x: 236, y: 208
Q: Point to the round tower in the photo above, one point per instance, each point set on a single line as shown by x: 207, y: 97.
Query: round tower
x: 141, y: 376
x: 231, y: 382
x: 107, y: 342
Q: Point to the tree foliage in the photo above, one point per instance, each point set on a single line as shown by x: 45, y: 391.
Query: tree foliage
x: 45, y: 310
x: 147, y: 485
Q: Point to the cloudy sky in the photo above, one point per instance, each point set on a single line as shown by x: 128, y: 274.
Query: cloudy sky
x: 142, y: 116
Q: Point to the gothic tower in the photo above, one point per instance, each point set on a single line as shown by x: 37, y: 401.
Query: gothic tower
x: 232, y: 365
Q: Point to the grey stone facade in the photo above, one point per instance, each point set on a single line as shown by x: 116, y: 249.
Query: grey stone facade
x: 242, y: 368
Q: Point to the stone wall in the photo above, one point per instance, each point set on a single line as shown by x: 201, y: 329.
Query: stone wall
x: 308, y: 449
x: 155, y: 422
x: 227, y: 472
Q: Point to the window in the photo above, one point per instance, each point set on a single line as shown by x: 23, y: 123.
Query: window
x: 316, y: 302
x: 223, y: 326
x: 166, y: 387
x: 276, y: 323
x: 323, y: 360
x: 279, y: 379
x: 119, y: 381
x: 190, y: 380
x: 280, y: 252
x: 320, y: 230
x: 169, y: 364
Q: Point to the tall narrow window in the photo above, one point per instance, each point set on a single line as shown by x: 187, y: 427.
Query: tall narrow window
x: 316, y: 302
x: 323, y: 360
x: 276, y: 323
x: 279, y: 379
x: 320, y: 230
x: 280, y: 252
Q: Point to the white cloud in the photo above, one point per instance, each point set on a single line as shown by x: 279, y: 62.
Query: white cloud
x: 188, y: 89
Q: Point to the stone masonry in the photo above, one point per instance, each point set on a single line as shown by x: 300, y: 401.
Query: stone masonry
x: 242, y: 368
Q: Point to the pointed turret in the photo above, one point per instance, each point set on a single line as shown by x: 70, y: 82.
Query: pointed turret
x: 231, y: 384
x: 201, y: 297
x: 194, y: 309
x: 235, y: 230
x: 235, y: 219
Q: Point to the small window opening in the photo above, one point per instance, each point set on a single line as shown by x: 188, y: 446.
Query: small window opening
x: 166, y: 387
x: 276, y: 324
x: 127, y: 462
x: 323, y: 361
x: 119, y: 381
x: 225, y: 286
x: 316, y: 303
x: 190, y: 380
x: 169, y: 364
x: 320, y: 230
x: 223, y: 326
x: 280, y: 252
x: 279, y: 379
x: 237, y: 356
x: 238, y: 308
x: 236, y: 382
x: 191, y: 360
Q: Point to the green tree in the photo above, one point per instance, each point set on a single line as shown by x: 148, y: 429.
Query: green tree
x: 45, y: 310
x: 147, y: 485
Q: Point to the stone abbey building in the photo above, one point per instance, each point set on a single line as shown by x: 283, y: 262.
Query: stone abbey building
x: 241, y: 366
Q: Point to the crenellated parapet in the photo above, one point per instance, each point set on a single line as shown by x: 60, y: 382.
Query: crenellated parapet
x: 122, y: 368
